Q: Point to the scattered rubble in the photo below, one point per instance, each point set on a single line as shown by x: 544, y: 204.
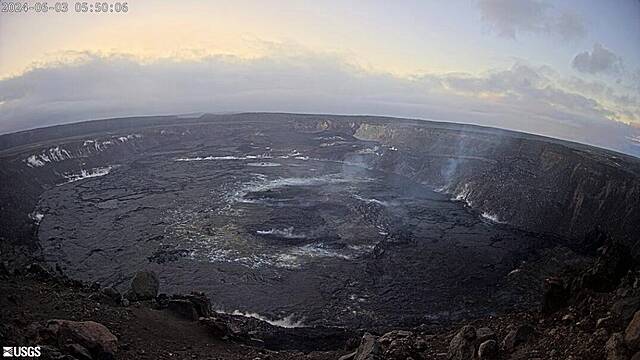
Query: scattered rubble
x: 580, y: 318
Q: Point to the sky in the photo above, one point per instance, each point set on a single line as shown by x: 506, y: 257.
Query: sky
x: 566, y: 69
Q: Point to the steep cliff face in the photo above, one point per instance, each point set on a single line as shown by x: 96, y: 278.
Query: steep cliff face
x: 536, y: 183
x: 539, y: 184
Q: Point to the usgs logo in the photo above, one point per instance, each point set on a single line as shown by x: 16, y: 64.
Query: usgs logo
x: 21, y: 351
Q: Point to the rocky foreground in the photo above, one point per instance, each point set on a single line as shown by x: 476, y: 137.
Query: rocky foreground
x: 590, y: 312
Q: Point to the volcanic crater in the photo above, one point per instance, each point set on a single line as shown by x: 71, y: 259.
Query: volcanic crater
x: 347, y: 221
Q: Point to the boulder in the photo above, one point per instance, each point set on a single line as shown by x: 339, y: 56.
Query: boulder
x: 369, y: 348
x: 90, y: 335
x: 555, y: 295
x: 632, y: 333
x: 488, y: 350
x: 462, y: 346
x: 144, y: 286
x: 517, y: 336
x: 615, y: 349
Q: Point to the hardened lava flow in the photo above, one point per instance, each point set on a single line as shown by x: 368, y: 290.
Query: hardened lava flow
x: 357, y: 222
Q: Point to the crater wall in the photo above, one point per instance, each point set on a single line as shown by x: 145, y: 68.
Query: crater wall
x: 536, y: 183
x: 539, y: 184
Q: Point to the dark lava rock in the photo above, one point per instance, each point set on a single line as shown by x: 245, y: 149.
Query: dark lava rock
x: 191, y: 307
x: 555, y: 295
x: 615, y: 349
x: 5, y: 269
x: 49, y: 352
x: 144, y: 286
x: 112, y: 294
x: 399, y: 344
x: 217, y: 327
x: 348, y: 356
x: 632, y: 333
x: 78, y: 351
x: 39, y: 271
x: 199, y: 301
x: 488, y: 350
x: 463, y: 345
x: 262, y: 334
x: 604, y: 323
x: 611, y: 266
x: 592, y: 241
x: 183, y: 308
x: 625, y: 308
x: 518, y: 336
x: 483, y: 334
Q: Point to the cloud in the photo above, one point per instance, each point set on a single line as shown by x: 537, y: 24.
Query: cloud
x: 509, y: 18
x: 599, y: 60
x: 527, y: 92
x: 523, y: 97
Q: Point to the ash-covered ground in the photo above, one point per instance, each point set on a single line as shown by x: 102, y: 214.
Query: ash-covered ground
x: 298, y: 227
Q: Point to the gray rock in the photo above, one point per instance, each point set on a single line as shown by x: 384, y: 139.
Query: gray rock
x: 369, y: 348
x: 144, y: 286
x: 624, y: 308
x: 517, y: 336
x: 632, y: 333
x: 488, y: 350
x: 462, y: 346
x: 92, y: 336
x: 615, y: 349
x: 348, y: 356
x: 399, y: 344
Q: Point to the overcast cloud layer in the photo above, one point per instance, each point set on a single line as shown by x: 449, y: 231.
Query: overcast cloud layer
x: 526, y: 98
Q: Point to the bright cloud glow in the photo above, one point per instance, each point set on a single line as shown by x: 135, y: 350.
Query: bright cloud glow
x: 552, y: 68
